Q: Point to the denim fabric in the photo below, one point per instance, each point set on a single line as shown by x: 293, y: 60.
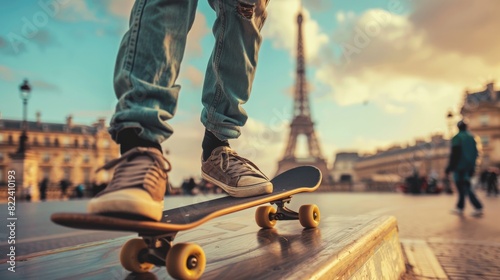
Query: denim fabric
x: 462, y: 181
x: 151, y: 53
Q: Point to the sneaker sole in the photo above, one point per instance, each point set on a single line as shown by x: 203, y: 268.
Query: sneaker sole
x: 254, y: 190
x: 127, y: 201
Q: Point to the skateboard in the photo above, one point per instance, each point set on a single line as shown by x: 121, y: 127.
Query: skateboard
x: 187, y: 260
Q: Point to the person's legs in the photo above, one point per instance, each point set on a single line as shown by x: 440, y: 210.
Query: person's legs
x: 231, y: 68
x: 146, y: 70
x: 461, y: 194
x: 472, y: 196
x: 147, y: 67
x: 228, y: 83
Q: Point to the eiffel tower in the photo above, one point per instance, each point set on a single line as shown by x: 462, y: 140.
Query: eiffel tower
x: 302, y: 123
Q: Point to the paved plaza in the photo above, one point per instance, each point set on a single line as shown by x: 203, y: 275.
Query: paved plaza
x: 464, y: 247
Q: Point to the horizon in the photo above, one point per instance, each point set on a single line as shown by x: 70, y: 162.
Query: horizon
x: 379, y: 74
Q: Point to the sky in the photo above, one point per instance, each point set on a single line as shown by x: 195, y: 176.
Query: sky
x: 379, y: 72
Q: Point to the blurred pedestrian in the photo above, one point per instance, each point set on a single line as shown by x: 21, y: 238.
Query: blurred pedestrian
x: 492, y: 182
x: 43, y: 188
x: 64, y: 184
x: 188, y: 186
x: 483, y: 178
x: 462, y: 163
x: 80, y: 190
x: 28, y: 193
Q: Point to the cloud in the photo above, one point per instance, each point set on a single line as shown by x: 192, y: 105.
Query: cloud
x: 318, y: 5
x: 281, y: 29
x: 397, y: 62
x: 193, y: 76
x: 120, y: 8
x: 74, y: 11
x: 471, y: 33
x: 44, y: 86
x: 394, y: 109
x: 198, y: 31
x: 6, y: 74
x: 18, y: 43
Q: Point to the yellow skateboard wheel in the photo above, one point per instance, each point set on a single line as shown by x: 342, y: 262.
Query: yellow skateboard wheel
x: 262, y: 217
x: 186, y: 261
x: 129, y: 256
x: 309, y: 216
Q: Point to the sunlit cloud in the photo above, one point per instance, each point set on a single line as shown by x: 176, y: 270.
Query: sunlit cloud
x: 281, y: 29
x: 6, y: 74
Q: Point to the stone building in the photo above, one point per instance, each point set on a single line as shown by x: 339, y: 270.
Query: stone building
x: 343, y: 167
x: 481, y: 110
x: 61, y: 150
x: 390, y: 167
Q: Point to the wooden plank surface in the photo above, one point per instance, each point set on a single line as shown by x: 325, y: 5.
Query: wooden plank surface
x: 235, y: 249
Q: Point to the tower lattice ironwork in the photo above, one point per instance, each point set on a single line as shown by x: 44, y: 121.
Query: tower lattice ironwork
x: 302, y: 123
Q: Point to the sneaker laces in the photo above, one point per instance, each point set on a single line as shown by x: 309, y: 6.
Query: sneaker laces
x: 234, y: 165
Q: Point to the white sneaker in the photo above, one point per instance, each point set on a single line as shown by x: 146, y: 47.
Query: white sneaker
x: 138, y: 185
x: 477, y: 213
x: 457, y: 211
x: 238, y: 176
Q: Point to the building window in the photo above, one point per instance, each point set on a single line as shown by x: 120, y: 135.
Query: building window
x: 87, y: 175
x: 484, y: 120
x: 85, y: 143
x: 1, y: 157
x: 35, y: 141
x: 47, y: 141
x: 11, y: 140
x: 67, y: 158
x: 86, y: 158
x: 75, y: 143
x: 66, y: 141
x: 56, y: 142
x: 485, y: 140
x: 67, y: 173
x: 45, y: 172
x: 2, y: 179
x: 46, y: 157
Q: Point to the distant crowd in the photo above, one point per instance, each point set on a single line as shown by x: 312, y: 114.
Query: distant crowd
x: 487, y: 181
x: 67, y: 190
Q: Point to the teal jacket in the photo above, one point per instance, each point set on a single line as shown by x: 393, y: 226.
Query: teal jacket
x: 463, y: 153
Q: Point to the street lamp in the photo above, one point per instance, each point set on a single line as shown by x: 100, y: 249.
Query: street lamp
x: 449, y: 117
x: 24, y: 93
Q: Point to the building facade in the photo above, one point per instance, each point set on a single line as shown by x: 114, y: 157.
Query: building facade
x: 392, y: 166
x: 62, y: 150
x: 481, y: 110
x: 343, y: 167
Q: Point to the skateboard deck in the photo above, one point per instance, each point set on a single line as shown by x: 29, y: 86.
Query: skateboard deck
x: 157, y: 237
x: 297, y: 180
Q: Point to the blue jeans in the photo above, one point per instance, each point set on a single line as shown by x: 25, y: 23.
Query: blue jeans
x: 151, y: 53
x: 464, y: 187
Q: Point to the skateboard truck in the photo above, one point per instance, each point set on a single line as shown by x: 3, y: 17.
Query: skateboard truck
x: 157, y: 248
x: 283, y: 212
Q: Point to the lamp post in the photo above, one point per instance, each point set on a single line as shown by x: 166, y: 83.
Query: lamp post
x: 449, y: 117
x: 24, y: 93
